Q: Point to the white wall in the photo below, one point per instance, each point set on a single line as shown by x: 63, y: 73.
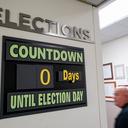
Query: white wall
x: 116, y: 52
x: 73, y: 13
x: 112, y: 112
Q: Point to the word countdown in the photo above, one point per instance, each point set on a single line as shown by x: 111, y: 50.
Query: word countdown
x: 41, y: 77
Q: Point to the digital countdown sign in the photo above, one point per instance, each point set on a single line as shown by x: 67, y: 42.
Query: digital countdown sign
x: 41, y: 77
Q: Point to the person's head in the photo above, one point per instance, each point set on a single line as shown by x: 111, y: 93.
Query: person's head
x: 121, y: 96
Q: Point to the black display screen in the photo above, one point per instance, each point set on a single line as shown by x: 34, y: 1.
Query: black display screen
x: 41, y: 77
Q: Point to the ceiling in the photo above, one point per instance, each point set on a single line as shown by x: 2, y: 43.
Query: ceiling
x: 94, y: 2
x: 115, y: 31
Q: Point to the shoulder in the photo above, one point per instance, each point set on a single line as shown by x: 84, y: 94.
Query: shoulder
x: 124, y: 115
x: 125, y: 110
x: 122, y: 119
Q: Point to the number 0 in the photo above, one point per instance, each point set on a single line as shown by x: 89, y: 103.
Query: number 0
x: 42, y: 77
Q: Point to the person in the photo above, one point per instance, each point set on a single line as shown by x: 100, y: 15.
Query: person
x: 121, y: 100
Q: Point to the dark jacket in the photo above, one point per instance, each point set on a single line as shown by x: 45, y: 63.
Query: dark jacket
x: 122, y: 119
